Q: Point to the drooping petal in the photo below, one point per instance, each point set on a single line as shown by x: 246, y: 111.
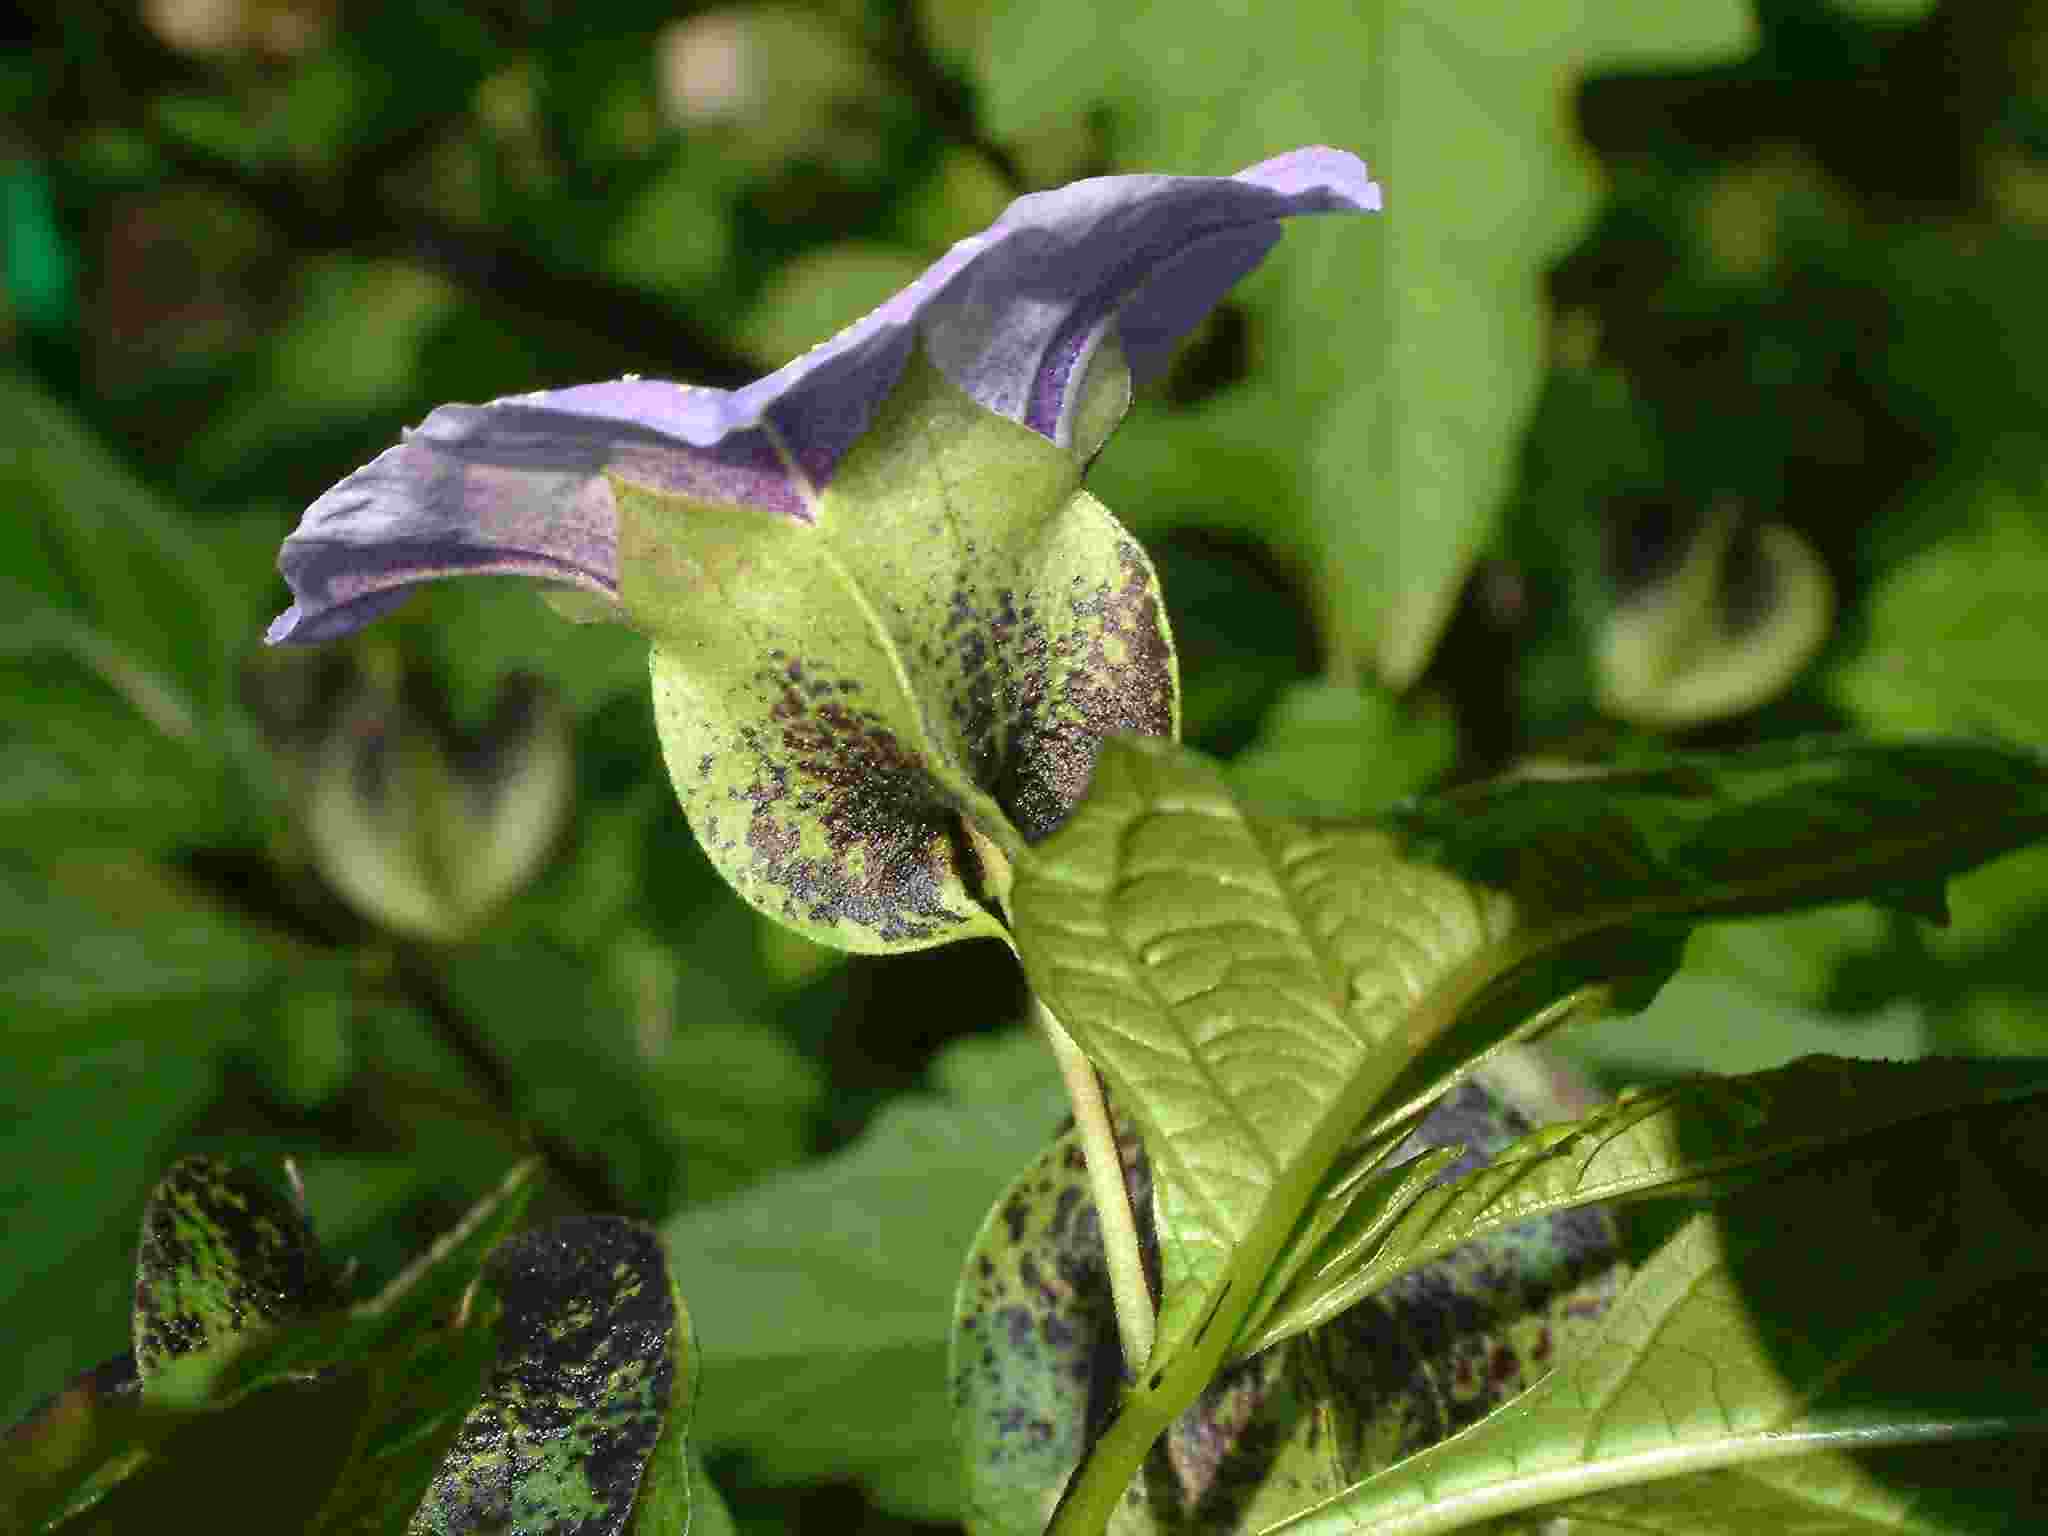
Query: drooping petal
x: 1014, y: 316
x: 516, y: 487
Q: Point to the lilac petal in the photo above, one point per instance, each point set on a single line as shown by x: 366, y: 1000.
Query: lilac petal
x: 1011, y: 315
x: 516, y: 487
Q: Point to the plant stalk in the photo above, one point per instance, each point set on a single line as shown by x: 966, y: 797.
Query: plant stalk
x: 1129, y: 1293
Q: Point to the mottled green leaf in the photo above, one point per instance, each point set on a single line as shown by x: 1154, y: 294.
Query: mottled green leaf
x: 1393, y: 379
x: 222, y: 1254
x: 240, y: 1354
x: 1744, y: 1387
x: 1036, y: 1365
x: 1701, y: 1135
x: 1254, y: 988
x: 946, y: 639
x: 426, y: 1342
x: 419, y: 1298
x: 823, y: 1294
x: 589, y: 1396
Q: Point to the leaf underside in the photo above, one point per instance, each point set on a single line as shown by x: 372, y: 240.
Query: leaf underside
x: 1253, y: 987
x: 948, y: 639
x: 1036, y: 1366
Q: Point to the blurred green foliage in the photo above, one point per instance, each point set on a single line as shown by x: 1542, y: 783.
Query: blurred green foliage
x: 1739, y: 269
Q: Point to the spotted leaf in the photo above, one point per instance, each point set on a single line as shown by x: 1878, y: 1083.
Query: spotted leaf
x: 946, y: 644
x: 222, y: 1253
x: 1037, y: 1368
x: 584, y: 1420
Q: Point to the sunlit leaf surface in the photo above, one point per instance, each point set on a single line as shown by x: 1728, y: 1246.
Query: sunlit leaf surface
x: 1252, y: 988
x: 1745, y: 1387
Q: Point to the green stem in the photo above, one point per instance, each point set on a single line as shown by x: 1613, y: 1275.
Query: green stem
x: 1129, y: 1294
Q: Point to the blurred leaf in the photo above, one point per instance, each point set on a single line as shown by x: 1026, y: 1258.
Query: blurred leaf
x: 1894, y: 11
x: 476, y: 633
x: 1329, y: 750
x: 824, y: 1292
x: 1962, y: 363
x: 1701, y: 1021
x: 315, y: 370
x: 114, y: 647
x: 1705, y: 1135
x: 651, y: 1069
x: 1935, y: 660
x: 86, y: 937
x: 73, y: 1201
x: 88, y: 540
x: 1731, y: 1390
x: 1393, y: 385
x: 379, y: 78
x: 675, y: 236
x: 122, y: 991
x: 772, y: 85
x: 1799, y: 957
x: 1169, y: 930
x: 819, y: 294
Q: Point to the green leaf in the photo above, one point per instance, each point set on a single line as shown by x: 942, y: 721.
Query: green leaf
x: 419, y: 1298
x: 1329, y: 750
x: 554, y: 1395
x: 1744, y: 1388
x: 1254, y: 988
x: 1406, y: 372
x: 1705, y: 1135
x: 1931, y: 663
x: 239, y: 1355
x: 949, y: 638
x: 89, y: 541
x: 116, y: 633
x: 586, y: 1415
x: 824, y: 1293
x: 222, y: 1254
x: 1036, y: 1365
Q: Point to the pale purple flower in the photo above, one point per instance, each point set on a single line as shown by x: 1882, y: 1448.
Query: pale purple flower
x: 1012, y: 316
